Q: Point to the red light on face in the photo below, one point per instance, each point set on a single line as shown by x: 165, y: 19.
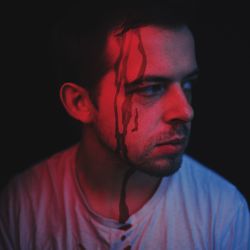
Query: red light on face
x: 131, y: 52
x: 135, y: 105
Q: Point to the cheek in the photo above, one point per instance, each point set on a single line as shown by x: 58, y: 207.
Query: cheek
x: 105, y: 118
x: 112, y: 104
x: 143, y: 124
x: 104, y: 126
x: 144, y: 119
x: 106, y: 91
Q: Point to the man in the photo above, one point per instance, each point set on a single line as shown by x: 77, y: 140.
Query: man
x: 127, y: 184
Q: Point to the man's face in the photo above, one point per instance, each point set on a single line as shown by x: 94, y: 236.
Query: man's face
x: 144, y: 112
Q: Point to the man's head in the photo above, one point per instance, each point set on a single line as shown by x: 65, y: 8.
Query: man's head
x: 80, y: 35
x: 142, y: 98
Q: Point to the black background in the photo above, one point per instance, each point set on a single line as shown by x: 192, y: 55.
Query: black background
x: 36, y: 126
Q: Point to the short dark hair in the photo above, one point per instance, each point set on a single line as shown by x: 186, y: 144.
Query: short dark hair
x: 80, y: 36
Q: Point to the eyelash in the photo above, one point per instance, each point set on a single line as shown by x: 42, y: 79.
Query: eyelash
x: 159, y: 89
x: 152, y: 90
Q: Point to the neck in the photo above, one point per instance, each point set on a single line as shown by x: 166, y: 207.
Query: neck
x: 112, y: 187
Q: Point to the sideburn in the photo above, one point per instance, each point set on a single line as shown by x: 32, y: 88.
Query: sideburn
x: 94, y: 94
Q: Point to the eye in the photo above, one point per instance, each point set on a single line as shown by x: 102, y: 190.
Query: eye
x: 187, y: 85
x: 151, y: 90
x: 187, y: 89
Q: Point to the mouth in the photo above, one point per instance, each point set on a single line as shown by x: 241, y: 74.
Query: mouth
x: 174, y: 141
x: 170, y: 147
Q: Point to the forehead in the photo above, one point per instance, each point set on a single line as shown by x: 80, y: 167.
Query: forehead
x: 163, y: 51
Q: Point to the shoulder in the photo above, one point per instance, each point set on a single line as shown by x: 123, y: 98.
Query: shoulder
x: 40, y: 177
x: 204, y: 177
x: 208, y: 188
x: 55, y: 164
x: 32, y: 195
x: 211, y: 194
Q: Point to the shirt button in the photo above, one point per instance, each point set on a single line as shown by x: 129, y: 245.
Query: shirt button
x: 123, y: 237
x: 127, y: 248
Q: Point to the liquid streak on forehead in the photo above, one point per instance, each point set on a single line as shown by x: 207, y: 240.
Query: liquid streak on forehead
x: 163, y: 47
x: 128, y: 46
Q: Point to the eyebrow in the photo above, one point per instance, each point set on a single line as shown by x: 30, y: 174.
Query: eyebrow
x: 156, y: 78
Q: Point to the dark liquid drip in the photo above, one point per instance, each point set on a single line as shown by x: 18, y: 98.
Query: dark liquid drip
x: 144, y: 57
x: 127, y: 104
x: 121, y: 147
x: 125, y: 227
x: 136, y: 121
x: 124, y: 211
x: 118, y: 87
x: 126, y: 116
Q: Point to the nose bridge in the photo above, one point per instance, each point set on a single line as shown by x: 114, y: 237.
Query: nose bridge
x: 176, y: 105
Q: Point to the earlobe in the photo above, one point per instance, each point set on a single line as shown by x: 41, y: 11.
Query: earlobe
x: 77, y: 103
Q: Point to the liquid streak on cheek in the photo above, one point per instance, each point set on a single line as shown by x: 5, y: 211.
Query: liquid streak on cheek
x: 136, y: 121
x: 118, y: 81
x: 121, y: 78
x: 124, y: 211
x: 126, y: 110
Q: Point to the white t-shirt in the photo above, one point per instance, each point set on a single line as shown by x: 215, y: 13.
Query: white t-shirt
x: 44, y: 208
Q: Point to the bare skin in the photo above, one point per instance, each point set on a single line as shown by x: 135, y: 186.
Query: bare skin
x: 139, y: 132
x: 102, y: 186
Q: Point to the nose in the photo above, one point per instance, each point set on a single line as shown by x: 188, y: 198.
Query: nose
x: 177, y: 107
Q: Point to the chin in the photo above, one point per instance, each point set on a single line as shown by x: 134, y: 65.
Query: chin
x: 166, y: 166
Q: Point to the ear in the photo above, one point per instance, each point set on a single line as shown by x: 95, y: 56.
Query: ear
x: 77, y: 103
